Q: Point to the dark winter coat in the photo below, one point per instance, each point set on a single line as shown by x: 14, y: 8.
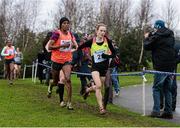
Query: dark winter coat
x: 161, y: 43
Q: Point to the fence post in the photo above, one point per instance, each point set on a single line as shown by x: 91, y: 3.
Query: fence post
x: 35, y: 74
x: 33, y: 71
x: 24, y: 72
x: 143, y: 93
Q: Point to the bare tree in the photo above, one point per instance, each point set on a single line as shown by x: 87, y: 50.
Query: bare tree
x: 105, y: 11
x: 144, y: 16
x: 16, y: 16
x: 30, y: 18
x: 3, y: 18
x: 68, y: 8
x: 116, y: 14
x: 82, y: 14
x: 170, y: 15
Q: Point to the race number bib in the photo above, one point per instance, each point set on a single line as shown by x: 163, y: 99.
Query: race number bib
x: 10, y: 51
x: 98, y: 56
x: 67, y: 42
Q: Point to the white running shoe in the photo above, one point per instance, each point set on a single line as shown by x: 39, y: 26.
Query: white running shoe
x: 69, y: 106
x: 62, y: 104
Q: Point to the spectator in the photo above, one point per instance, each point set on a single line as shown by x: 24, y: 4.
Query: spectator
x: 41, y: 68
x: 161, y: 44
x: 47, y: 58
x: 84, y: 67
x: 115, y: 65
x: 174, y: 87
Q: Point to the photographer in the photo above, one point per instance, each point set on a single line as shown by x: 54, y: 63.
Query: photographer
x: 161, y: 44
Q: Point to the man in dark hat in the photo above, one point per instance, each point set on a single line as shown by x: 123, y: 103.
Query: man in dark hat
x: 161, y: 44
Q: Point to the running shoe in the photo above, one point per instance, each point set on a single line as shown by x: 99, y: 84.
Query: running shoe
x: 102, y: 111
x: 69, y: 106
x: 10, y: 83
x: 62, y: 104
x: 49, y: 94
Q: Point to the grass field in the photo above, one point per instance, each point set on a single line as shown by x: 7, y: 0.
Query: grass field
x: 25, y: 104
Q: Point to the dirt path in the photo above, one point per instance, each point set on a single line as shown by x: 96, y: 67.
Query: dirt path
x: 131, y: 98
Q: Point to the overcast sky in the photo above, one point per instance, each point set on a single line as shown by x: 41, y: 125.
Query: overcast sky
x: 48, y: 7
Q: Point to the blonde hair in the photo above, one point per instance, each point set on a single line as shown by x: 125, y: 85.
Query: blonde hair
x: 99, y: 25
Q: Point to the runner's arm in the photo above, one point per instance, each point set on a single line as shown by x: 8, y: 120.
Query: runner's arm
x: 51, y: 45
x: 113, y: 52
x: 86, y: 44
x: 3, y: 52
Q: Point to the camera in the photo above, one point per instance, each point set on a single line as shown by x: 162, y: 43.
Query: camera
x: 151, y: 33
x: 149, y: 30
